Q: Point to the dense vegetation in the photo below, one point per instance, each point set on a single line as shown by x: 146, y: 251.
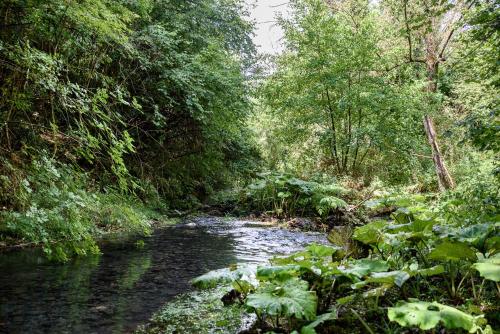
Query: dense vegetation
x: 379, y: 121
x: 420, y: 269
x: 367, y: 105
x: 102, y: 98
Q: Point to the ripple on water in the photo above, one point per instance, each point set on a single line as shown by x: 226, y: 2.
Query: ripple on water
x: 123, y: 287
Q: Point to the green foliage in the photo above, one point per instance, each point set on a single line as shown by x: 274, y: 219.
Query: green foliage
x: 284, y: 195
x: 70, y: 72
x: 288, y: 298
x: 150, y: 97
x: 363, y: 267
x: 420, y: 254
x: 489, y: 268
x: 54, y: 210
x: 332, y: 105
x: 428, y: 315
x: 452, y: 251
x: 221, y: 276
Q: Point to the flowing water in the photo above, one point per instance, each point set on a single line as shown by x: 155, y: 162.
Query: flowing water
x: 123, y: 287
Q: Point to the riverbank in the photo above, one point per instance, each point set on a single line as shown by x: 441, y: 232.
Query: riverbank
x: 105, y: 219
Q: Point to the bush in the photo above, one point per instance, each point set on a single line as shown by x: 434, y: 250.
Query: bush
x: 284, y: 195
x: 54, y: 209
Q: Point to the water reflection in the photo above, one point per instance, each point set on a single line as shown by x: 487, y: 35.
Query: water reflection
x: 118, y: 290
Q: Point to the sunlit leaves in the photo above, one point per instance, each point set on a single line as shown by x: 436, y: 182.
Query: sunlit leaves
x: 225, y: 275
x: 290, y: 298
x: 489, y: 268
x: 371, y: 233
x: 425, y: 315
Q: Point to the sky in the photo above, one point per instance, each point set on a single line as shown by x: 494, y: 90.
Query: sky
x: 267, y: 33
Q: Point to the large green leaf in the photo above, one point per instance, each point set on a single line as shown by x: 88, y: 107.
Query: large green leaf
x: 453, y: 251
x: 489, y: 268
x: 290, y: 298
x: 474, y: 235
x: 370, y: 233
x: 226, y: 275
x: 278, y: 272
x: 392, y: 277
x: 363, y: 267
x: 310, y: 328
x: 432, y: 271
x: 425, y: 315
x: 317, y: 250
x: 489, y: 271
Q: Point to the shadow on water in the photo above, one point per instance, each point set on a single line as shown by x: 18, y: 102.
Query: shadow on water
x: 123, y: 287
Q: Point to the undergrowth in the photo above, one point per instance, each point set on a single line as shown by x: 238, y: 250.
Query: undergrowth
x: 423, y: 269
x: 53, y: 206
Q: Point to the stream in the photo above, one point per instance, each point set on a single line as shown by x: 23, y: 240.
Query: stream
x: 116, y: 291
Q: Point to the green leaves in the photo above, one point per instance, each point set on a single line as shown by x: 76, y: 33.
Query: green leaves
x: 225, y: 275
x: 425, y: 316
x: 489, y: 268
x: 277, y: 272
x: 290, y: 298
x: 310, y: 328
x: 285, y: 195
x: 363, y: 267
x: 397, y: 277
x: 371, y: 233
x: 329, y: 203
x: 452, y: 251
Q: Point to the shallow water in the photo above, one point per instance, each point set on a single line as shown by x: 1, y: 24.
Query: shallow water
x: 123, y: 287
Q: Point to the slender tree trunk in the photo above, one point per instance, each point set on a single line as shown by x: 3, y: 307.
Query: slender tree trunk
x: 334, y: 133
x: 445, y: 181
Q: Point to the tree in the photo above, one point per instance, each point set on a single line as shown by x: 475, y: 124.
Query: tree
x: 429, y: 28
x: 332, y: 96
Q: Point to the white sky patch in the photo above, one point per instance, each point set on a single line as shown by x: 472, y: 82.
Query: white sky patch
x: 268, y: 34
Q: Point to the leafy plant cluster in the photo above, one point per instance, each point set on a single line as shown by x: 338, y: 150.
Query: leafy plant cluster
x: 54, y: 208
x: 284, y: 195
x: 148, y: 90
x: 418, y: 270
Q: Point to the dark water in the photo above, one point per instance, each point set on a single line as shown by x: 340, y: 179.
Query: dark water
x: 123, y: 287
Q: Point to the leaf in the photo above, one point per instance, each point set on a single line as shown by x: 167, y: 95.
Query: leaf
x: 277, y: 272
x: 489, y: 271
x: 425, y: 316
x: 452, y: 251
x: 432, y: 271
x: 215, y: 277
x: 370, y: 233
x: 377, y: 292
x: 309, y: 329
x: 392, y: 277
x: 474, y: 235
x: 319, y: 251
x: 489, y: 268
x: 243, y: 286
x: 290, y: 298
x: 363, y: 267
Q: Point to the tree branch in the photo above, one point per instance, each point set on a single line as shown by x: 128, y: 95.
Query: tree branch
x: 408, y: 36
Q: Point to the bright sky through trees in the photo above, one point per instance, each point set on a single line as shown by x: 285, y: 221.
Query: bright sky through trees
x: 267, y: 32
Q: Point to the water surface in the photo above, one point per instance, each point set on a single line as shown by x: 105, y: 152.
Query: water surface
x: 123, y: 287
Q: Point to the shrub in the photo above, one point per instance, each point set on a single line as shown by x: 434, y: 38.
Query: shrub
x: 284, y: 195
x: 55, y: 210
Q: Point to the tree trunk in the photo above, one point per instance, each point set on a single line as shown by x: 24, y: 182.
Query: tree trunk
x: 445, y: 181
